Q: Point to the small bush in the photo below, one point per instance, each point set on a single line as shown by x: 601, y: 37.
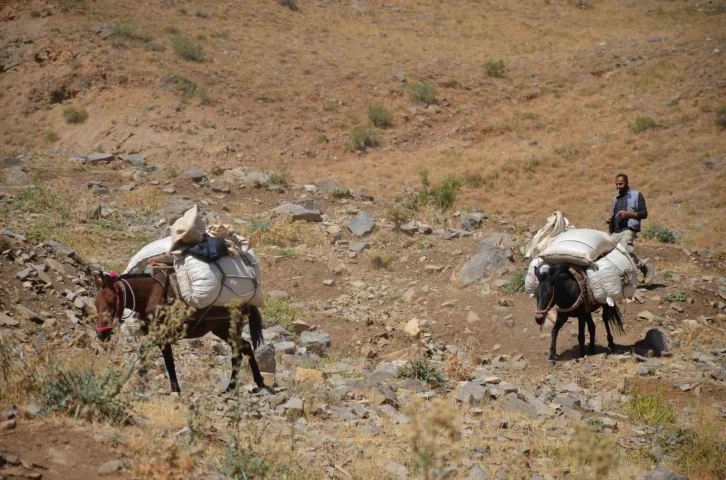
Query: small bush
x: 204, y: 97
x: 131, y: 32
x: 424, y: 370
x: 279, y: 311
x: 398, y: 214
x: 642, y: 124
x: 84, y: 394
x: 259, y: 226
x: 700, y: 452
x: 155, y: 47
x: 289, y: 234
x: 516, y: 283
x: 676, y: 297
x: 379, y: 116
x: 721, y: 117
x: 381, y: 261
x: 453, y: 83
x: 50, y: 136
x: 187, y: 48
x: 650, y: 409
x: 474, y: 180
x: 75, y: 115
x: 322, y: 138
x: 291, y: 4
x: 182, y: 85
x: 289, y: 253
x: 203, y: 14
x: 662, y: 234
x: 444, y: 194
x: 495, y: 69
x: 123, y: 79
x: 339, y: 192
x: 423, y: 92
x: 362, y: 137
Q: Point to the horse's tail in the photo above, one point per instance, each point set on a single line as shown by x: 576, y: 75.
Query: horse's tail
x: 255, y: 319
x: 613, y: 313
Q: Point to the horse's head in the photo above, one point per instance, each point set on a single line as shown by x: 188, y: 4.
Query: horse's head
x: 547, y: 275
x: 109, y: 303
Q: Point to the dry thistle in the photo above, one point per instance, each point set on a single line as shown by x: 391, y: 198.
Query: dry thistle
x: 434, y: 435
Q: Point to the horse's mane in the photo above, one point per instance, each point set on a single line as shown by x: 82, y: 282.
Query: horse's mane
x: 129, y: 276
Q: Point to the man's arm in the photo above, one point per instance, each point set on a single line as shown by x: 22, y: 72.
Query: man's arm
x: 642, y: 208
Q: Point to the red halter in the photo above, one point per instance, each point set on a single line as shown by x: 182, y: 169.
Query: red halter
x: 118, y: 311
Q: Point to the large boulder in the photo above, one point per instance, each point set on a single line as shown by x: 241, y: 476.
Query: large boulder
x: 362, y: 224
x: 488, y: 260
x: 297, y: 213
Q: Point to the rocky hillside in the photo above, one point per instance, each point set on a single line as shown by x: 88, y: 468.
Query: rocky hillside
x: 394, y: 351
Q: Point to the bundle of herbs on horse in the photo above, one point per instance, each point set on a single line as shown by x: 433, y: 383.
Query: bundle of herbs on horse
x: 146, y: 294
x: 564, y: 287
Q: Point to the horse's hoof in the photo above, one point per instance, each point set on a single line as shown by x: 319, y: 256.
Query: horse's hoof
x: 263, y: 391
x: 551, y: 362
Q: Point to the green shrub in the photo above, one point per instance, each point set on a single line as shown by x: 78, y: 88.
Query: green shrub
x: 422, y: 369
x: 75, y: 115
x: 642, y: 124
x: 362, y: 137
x: 650, y: 410
x: 84, y: 394
x: 676, y: 297
x: 698, y: 452
x: 185, y: 87
x: 721, y: 117
x: 474, y: 179
x: 279, y: 311
x: 257, y: 225
x: 379, y: 116
x: 495, y: 69
x: 50, y: 136
x: 662, y: 234
x: 187, y: 48
x: 291, y: 4
x: 131, y: 32
x: 516, y: 283
x: 423, y: 92
x: 444, y: 194
x: 155, y: 47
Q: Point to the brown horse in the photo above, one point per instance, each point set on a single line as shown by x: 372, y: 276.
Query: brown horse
x: 145, y: 294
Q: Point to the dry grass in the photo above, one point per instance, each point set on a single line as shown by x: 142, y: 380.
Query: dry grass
x: 289, y: 234
x: 145, y: 199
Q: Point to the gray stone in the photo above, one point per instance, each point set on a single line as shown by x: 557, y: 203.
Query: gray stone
x: 661, y: 473
x: 135, y: 159
x: 295, y: 403
x: 397, y: 471
x: 265, y: 357
x: 359, y: 247
x: 17, y: 177
x: 12, y: 161
x: 28, y: 314
x: 111, y: 467
x: 471, y: 393
x: 513, y: 404
x: 540, y: 407
x: 317, y: 342
x: 278, y: 294
x: 309, y: 204
x: 8, y: 414
x: 100, y: 157
x: 409, y: 227
x: 478, y: 473
x: 284, y: 347
x: 298, y: 213
x: 10, y: 234
x: 6, y: 321
x: 485, y: 263
x: 196, y: 175
x: 362, y: 224
x: 61, y: 249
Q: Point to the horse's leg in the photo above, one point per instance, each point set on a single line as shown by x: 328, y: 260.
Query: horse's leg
x: 222, y: 329
x: 606, y: 320
x: 591, y: 330
x: 581, y: 333
x: 169, y: 362
x: 246, y: 349
x: 561, y: 319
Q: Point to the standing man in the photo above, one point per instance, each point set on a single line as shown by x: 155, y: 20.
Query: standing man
x: 628, y: 209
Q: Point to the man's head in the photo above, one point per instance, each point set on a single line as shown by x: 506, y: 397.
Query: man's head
x: 621, y: 183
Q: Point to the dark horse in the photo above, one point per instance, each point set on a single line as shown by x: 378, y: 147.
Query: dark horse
x: 565, y: 287
x: 145, y: 294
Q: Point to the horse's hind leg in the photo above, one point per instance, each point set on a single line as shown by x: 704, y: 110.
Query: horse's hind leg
x: 222, y: 330
x: 561, y: 319
x: 581, y: 334
x: 591, y: 330
x: 246, y: 349
x: 170, y: 369
x: 606, y: 320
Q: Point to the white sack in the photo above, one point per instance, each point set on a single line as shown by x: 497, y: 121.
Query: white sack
x: 579, y: 246
x: 530, y: 281
x: 157, y: 250
x: 200, y: 283
x: 556, y: 224
x: 615, y: 276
